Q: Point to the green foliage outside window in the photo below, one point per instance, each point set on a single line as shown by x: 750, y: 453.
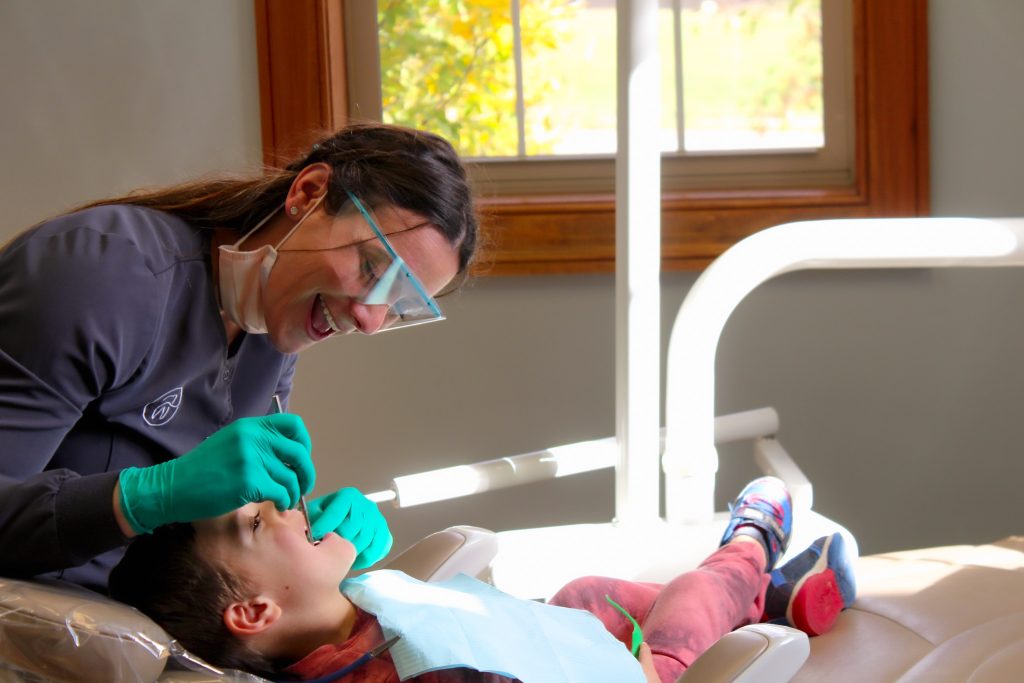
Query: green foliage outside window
x: 751, y: 67
x: 448, y: 66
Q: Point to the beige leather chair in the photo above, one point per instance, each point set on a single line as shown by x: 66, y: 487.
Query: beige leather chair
x: 938, y: 615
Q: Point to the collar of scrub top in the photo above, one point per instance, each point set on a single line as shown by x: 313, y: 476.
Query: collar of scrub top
x: 397, y: 288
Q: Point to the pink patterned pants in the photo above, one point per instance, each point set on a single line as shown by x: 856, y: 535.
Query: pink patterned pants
x: 683, y: 618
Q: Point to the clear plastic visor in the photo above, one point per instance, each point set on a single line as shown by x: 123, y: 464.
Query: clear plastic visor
x: 392, y: 284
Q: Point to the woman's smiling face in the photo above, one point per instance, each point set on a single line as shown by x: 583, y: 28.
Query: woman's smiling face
x: 328, y: 263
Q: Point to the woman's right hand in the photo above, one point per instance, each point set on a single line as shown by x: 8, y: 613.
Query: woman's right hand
x: 251, y: 459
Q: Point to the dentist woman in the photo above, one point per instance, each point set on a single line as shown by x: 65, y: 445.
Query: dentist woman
x: 143, y: 340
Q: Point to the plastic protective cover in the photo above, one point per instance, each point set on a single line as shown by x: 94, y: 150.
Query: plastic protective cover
x: 53, y: 632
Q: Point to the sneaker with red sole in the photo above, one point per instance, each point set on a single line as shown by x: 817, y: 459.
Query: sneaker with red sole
x: 810, y: 591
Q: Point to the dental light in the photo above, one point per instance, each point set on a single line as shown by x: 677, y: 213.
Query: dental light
x: 690, y: 459
x: 637, y: 312
x: 465, y: 480
x: 650, y: 550
x: 551, y: 463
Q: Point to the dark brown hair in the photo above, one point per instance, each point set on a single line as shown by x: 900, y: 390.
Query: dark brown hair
x: 381, y: 164
x: 164, y: 576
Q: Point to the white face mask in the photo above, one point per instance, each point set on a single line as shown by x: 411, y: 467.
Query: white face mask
x: 243, y: 277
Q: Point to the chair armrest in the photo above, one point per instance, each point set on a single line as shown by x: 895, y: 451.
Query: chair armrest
x: 443, y: 554
x: 759, y: 653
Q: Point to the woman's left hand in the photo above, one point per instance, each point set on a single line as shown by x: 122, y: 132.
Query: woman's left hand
x: 349, y: 513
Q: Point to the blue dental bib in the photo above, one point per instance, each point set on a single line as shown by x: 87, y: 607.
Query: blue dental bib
x: 465, y: 623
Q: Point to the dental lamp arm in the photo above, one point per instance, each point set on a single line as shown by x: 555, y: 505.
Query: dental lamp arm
x: 465, y: 480
x: 690, y: 459
x: 557, y: 461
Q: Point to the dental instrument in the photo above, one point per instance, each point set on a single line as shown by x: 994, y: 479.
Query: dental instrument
x: 303, y: 508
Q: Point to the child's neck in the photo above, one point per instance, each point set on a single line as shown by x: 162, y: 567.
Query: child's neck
x: 306, y: 633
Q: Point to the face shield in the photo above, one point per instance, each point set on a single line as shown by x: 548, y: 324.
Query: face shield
x: 392, y: 284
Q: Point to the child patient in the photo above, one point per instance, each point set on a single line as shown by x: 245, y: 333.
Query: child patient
x: 247, y: 591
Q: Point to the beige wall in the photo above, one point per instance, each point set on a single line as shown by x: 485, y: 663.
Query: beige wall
x: 900, y: 392
x: 102, y: 97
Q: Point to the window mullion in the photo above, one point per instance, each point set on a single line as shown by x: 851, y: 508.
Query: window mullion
x: 517, y: 49
x: 677, y: 34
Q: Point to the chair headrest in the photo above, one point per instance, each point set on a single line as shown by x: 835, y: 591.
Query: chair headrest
x: 66, y: 633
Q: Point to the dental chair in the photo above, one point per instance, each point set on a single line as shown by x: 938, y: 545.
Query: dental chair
x: 52, y: 632
x: 941, y: 614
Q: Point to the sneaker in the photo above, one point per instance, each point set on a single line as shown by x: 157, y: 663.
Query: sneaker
x: 763, y: 506
x: 810, y: 591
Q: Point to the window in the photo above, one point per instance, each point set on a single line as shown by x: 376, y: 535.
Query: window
x: 526, y: 88
x: 550, y: 208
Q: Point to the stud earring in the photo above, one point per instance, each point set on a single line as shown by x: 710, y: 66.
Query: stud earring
x: 294, y: 210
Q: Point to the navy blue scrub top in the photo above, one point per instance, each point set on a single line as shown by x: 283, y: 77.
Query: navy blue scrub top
x: 112, y: 354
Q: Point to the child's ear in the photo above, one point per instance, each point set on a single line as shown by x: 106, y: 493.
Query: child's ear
x: 251, y: 617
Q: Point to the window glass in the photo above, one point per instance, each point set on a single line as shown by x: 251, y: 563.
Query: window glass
x: 536, y: 78
x: 571, y: 83
x: 752, y: 74
x: 447, y: 66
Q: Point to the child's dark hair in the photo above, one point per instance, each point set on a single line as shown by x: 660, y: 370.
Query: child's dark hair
x: 164, y: 576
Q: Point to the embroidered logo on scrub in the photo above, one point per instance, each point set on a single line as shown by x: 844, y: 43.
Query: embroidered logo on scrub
x: 161, y: 411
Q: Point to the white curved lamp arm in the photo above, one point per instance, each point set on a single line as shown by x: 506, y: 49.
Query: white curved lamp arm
x: 690, y: 459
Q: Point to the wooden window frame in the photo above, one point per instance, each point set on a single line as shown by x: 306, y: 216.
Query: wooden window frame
x: 302, y: 93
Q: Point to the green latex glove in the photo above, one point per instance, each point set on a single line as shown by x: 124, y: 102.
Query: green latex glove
x: 351, y: 515
x: 251, y: 459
